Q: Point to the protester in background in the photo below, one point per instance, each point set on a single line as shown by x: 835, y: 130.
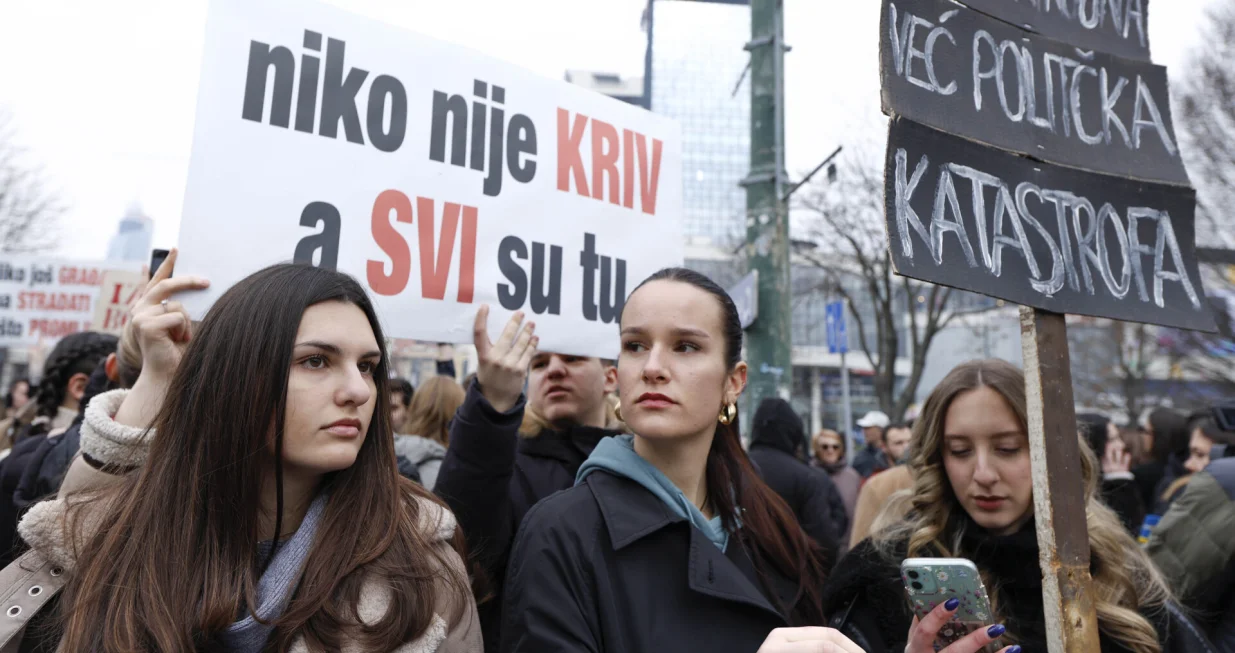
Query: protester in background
x: 65, y: 373
x: 1194, y: 546
x: 973, y: 498
x: 1118, y: 488
x: 669, y: 541
x: 777, y: 446
x: 429, y: 422
x: 508, y: 451
x: 65, y: 377
x: 17, y: 397
x: 401, y: 396
x: 830, y: 456
x: 896, y: 443
x: 1164, y: 432
x: 275, y: 524
x: 871, y: 458
x: 1203, y: 434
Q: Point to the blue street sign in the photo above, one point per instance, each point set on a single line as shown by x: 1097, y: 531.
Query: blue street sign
x: 838, y: 336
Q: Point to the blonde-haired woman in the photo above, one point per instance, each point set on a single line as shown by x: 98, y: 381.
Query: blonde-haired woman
x: 973, y: 498
x: 428, y: 420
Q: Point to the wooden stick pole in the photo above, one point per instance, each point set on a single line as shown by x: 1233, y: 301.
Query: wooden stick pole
x: 1058, y: 488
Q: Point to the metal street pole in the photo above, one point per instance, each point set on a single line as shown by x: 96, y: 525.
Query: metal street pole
x: 767, y: 220
x: 848, y: 405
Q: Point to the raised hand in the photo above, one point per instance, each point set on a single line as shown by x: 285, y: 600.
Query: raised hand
x: 162, y: 327
x: 503, y: 365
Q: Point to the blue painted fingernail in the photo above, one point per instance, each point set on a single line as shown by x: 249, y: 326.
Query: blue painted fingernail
x: 952, y: 604
x: 996, y: 631
x: 1014, y: 649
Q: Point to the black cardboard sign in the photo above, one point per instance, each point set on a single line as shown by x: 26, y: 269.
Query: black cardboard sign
x: 976, y: 218
x: 963, y: 72
x: 1119, y: 27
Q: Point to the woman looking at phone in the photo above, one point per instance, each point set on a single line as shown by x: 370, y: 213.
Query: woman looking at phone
x: 973, y: 499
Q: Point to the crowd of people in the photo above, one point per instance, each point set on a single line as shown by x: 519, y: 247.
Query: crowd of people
x: 258, y: 481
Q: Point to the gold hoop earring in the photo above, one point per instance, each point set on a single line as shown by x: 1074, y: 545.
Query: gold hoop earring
x: 727, y: 414
x: 617, y: 411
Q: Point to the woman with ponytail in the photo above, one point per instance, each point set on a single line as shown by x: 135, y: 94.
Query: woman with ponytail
x: 669, y: 540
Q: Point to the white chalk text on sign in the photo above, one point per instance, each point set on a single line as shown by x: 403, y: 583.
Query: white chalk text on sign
x: 965, y: 215
x: 960, y: 71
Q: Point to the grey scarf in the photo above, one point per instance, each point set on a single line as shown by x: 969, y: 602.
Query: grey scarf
x: 277, y: 584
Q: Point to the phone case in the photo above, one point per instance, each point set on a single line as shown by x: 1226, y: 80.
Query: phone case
x: 940, y: 579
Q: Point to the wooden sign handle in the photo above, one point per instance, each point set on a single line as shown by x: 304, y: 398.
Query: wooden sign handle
x: 1058, y: 487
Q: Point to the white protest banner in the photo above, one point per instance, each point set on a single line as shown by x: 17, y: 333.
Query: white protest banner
x: 440, y: 178
x: 116, y: 292
x: 45, y: 299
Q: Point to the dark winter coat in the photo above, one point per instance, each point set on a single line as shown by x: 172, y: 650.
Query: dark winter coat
x: 491, y: 478
x: 777, y: 436
x: 1147, y: 478
x: 1121, y: 494
x: 870, y: 460
x: 1174, y: 470
x: 1194, y: 546
x: 865, y: 598
x: 11, y: 471
x: 607, y: 566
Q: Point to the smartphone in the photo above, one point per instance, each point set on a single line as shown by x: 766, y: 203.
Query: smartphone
x: 931, y: 581
x: 156, y: 259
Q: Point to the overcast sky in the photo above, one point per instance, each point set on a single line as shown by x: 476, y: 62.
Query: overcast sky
x: 103, y: 91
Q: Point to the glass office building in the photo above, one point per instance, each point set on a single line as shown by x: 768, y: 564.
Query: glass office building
x: 696, y: 61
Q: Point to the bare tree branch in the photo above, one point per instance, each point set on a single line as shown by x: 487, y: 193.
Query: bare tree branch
x: 845, y: 221
x: 29, y: 211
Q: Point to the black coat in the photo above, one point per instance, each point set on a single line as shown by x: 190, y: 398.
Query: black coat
x: 12, y: 469
x: 1124, y: 497
x: 491, y: 478
x: 865, y: 598
x: 777, y: 435
x: 606, y: 566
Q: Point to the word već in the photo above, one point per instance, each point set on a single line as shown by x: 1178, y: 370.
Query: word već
x: 1048, y: 90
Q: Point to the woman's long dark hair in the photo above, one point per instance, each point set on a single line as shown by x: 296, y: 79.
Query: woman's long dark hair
x: 768, y: 528
x: 1170, y: 429
x: 173, y: 562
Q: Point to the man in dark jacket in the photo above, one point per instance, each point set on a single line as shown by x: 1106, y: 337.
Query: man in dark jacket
x: 871, y: 458
x: 778, y: 444
x: 491, y: 476
x: 1194, y: 546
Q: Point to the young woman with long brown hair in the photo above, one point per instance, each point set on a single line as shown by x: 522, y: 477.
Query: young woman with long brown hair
x: 669, y: 541
x: 973, y: 498
x: 265, y: 512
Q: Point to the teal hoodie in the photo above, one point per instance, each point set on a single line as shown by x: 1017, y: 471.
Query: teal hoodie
x: 616, y: 455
